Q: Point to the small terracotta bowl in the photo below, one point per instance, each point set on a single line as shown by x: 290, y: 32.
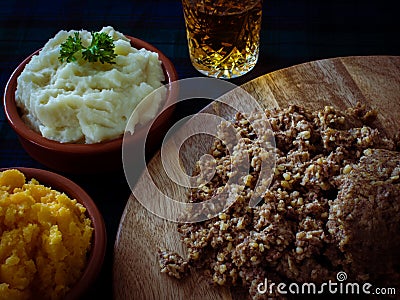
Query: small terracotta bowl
x: 87, y: 158
x: 99, y: 238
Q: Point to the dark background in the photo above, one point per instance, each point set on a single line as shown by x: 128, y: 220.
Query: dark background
x: 293, y: 32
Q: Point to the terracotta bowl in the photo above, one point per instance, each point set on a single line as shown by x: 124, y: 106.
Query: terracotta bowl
x: 99, y: 238
x: 86, y: 158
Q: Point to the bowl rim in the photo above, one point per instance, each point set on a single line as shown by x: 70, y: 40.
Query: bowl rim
x: 99, y: 238
x: 24, y: 131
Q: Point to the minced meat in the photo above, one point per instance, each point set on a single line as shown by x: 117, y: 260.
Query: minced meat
x: 364, y: 218
x: 293, y: 234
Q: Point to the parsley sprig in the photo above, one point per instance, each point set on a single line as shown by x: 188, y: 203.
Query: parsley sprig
x: 100, y: 49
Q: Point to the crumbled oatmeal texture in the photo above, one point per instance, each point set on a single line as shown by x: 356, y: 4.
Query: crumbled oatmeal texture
x: 325, y: 198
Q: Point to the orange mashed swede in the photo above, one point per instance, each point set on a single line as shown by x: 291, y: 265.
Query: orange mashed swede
x: 45, y: 237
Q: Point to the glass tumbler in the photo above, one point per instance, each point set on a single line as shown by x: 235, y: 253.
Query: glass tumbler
x: 223, y: 35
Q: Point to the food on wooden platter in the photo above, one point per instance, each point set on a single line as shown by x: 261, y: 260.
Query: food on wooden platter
x: 332, y: 204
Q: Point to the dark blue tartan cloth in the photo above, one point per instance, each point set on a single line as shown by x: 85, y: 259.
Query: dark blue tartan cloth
x: 293, y: 32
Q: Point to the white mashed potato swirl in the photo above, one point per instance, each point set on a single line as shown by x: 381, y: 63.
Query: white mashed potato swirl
x: 83, y: 102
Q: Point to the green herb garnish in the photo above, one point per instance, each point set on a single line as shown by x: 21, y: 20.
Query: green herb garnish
x: 101, y: 48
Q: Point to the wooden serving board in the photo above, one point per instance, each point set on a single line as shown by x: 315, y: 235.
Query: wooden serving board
x: 340, y: 82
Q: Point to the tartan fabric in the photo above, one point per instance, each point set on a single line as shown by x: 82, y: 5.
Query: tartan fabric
x: 292, y: 32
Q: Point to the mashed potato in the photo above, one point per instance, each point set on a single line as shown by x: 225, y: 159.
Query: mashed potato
x: 44, y: 239
x: 84, y: 102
